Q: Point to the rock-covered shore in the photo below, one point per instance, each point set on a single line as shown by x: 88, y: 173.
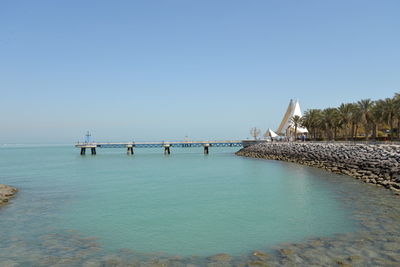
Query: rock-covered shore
x: 377, y: 164
x: 6, y: 193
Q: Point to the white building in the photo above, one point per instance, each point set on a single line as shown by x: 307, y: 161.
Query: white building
x: 286, y: 127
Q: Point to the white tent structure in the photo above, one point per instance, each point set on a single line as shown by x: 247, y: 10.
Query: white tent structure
x: 272, y: 134
x: 286, y: 127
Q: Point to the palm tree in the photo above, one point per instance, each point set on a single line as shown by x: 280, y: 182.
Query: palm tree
x: 365, y: 106
x: 347, y: 118
x: 355, y: 118
x: 311, y: 121
x: 344, y: 113
x: 388, y: 113
x: 337, y: 123
x: 329, y: 120
x: 296, y: 123
x: 376, y: 116
x: 397, y: 112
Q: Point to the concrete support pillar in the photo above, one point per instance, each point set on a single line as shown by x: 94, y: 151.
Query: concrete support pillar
x: 93, y: 150
x: 129, y: 150
x: 83, y: 150
x: 206, y: 149
x: 167, y: 151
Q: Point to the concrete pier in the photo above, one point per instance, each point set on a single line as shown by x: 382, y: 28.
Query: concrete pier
x: 129, y: 150
x: 166, y: 145
x: 206, y: 146
x: 167, y: 150
x: 92, y: 149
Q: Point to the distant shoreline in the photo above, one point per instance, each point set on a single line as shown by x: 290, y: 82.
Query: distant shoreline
x: 377, y: 164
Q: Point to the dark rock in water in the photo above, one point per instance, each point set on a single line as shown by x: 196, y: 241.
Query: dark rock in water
x: 371, y: 163
x: 391, y: 246
x: 92, y: 263
x: 260, y: 255
x: 221, y: 257
x: 286, y: 252
x: 6, y: 193
x: 396, y: 178
x: 219, y: 264
x: 257, y: 263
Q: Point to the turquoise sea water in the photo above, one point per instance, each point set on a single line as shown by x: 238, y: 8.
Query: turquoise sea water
x: 184, y: 204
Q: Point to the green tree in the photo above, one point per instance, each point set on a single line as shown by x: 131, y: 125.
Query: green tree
x: 329, y: 117
x: 365, y: 106
x: 355, y: 118
x: 346, y: 119
x: 388, y: 113
x: 345, y: 113
x: 397, y: 113
x: 376, y: 116
x: 296, y: 123
x: 311, y: 121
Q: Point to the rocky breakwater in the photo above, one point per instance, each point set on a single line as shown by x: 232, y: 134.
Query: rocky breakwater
x: 6, y: 193
x: 377, y: 164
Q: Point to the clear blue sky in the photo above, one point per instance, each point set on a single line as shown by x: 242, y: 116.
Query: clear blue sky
x: 158, y: 70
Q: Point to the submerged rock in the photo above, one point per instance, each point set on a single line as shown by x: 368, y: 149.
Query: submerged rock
x: 257, y: 264
x: 260, y: 255
x: 6, y: 193
x: 221, y: 257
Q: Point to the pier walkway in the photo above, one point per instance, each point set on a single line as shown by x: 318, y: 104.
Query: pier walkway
x: 166, y: 145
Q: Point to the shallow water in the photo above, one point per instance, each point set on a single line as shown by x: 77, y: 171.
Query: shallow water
x: 150, y: 204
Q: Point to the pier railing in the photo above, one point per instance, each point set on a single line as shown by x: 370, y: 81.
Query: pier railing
x: 163, y: 144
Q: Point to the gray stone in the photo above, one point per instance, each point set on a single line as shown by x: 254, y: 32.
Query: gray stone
x: 6, y: 193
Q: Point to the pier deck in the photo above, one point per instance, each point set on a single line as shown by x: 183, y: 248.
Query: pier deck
x: 166, y: 145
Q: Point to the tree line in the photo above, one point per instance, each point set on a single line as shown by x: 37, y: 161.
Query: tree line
x: 365, y: 119
x: 350, y: 121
